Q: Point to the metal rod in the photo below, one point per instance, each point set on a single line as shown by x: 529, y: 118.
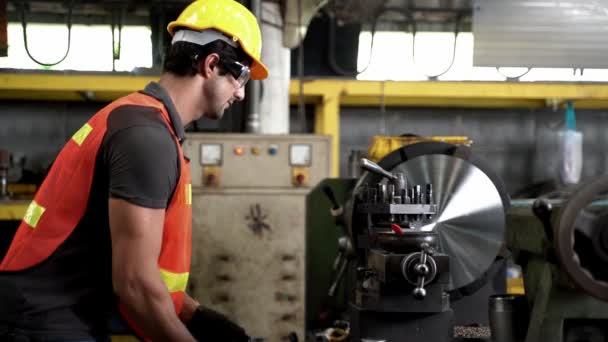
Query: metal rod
x: 369, y: 165
x: 253, y: 123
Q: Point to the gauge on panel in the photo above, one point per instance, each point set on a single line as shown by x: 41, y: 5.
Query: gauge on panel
x: 211, y: 154
x: 300, y: 154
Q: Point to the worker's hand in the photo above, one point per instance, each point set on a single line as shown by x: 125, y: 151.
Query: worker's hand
x: 209, y: 325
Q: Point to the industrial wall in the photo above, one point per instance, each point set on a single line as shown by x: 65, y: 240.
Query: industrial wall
x: 521, y: 145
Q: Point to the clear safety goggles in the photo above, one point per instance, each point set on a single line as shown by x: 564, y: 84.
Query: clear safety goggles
x: 238, y: 70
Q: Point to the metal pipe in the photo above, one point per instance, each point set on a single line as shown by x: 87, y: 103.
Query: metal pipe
x: 5, y: 162
x: 274, y: 102
x: 254, y: 87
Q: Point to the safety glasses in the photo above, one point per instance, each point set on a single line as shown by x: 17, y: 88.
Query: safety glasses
x: 239, y: 71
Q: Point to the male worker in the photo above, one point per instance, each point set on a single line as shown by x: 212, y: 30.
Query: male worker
x: 110, y: 227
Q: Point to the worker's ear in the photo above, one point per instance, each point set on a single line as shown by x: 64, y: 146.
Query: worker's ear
x: 208, y: 65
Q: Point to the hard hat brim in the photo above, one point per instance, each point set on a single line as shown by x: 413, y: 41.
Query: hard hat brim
x: 258, y: 71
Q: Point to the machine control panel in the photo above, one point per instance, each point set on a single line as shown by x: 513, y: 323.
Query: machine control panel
x: 247, y: 160
x: 249, y: 223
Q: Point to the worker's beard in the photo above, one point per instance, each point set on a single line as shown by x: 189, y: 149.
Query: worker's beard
x: 217, y: 104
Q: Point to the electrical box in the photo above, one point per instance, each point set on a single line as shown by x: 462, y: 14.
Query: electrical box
x: 248, y: 239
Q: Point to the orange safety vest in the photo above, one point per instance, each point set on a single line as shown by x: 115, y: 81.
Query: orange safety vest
x: 61, y: 201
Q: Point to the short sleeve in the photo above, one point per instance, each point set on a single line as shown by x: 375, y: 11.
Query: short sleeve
x: 143, y: 165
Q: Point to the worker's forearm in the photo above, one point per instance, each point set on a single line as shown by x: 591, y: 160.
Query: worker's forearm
x: 149, y: 304
x: 188, y: 308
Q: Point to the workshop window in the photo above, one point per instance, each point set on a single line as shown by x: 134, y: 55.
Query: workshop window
x: 393, y: 59
x: 90, y: 48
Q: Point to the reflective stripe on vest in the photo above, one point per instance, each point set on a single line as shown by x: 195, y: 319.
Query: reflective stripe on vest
x: 80, y: 136
x: 175, y: 281
x: 33, y: 214
x: 189, y: 194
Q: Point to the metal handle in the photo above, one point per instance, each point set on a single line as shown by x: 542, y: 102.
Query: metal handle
x: 422, y: 270
x: 370, y: 166
x: 345, y: 254
x: 343, y: 262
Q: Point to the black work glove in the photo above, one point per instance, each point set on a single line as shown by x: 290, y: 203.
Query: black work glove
x: 210, y: 325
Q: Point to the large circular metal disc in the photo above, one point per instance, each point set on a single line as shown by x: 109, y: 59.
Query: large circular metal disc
x: 579, y: 231
x: 470, y: 219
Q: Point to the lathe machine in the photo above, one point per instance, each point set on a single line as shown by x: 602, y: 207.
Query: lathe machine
x: 422, y: 228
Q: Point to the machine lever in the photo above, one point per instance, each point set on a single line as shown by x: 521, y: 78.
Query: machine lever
x: 339, y: 276
x: 332, y: 198
x: 542, y: 208
x: 370, y: 166
x: 345, y: 254
x: 422, y: 270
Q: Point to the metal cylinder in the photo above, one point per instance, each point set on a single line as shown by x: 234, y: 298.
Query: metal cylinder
x: 508, y: 317
x: 418, y: 194
x: 391, y: 193
x: 252, y: 124
x: 373, y: 195
x: 429, y: 193
x: 382, y: 193
x: 274, y: 100
x: 400, y: 182
x: 5, y: 162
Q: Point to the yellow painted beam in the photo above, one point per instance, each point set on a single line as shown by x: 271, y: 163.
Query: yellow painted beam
x: 74, y: 82
x: 481, y: 90
x: 352, y: 89
x: 60, y: 95
x: 105, y: 87
x: 368, y: 101
x: 374, y: 101
x: 69, y: 87
x: 327, y: 122
x: 13, y: 210
x: 591, y: 104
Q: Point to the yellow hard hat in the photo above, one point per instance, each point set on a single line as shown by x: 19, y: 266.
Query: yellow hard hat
x: 231, y: 18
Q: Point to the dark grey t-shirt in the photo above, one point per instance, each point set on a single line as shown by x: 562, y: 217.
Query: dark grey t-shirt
x: 70, y: 294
